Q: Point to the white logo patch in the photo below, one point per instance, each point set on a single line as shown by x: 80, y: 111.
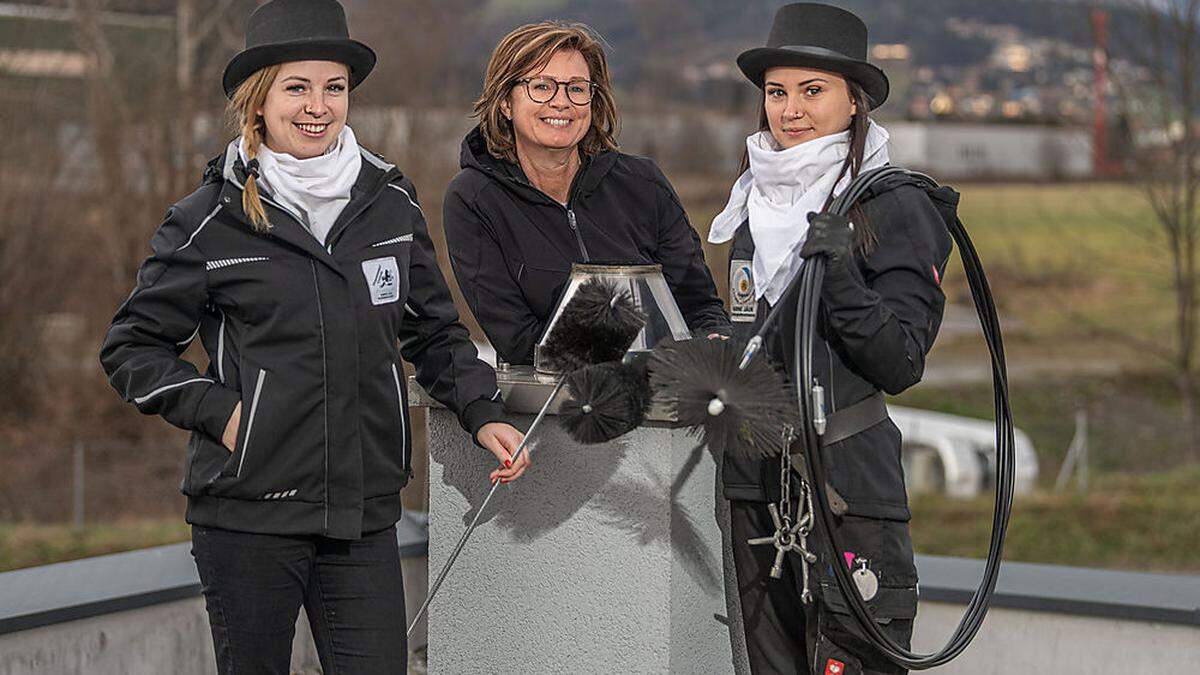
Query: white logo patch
x: 742, y: 304
x: 383, y: 279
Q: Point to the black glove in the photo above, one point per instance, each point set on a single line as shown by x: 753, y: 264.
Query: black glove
x: 830, y: 235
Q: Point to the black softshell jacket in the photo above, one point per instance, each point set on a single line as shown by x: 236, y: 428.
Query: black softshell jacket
x: 512, y: 246
x: 879, y: 317
x: 309, y: 339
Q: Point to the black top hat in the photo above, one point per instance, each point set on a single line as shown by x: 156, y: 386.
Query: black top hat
x: 298, y: 30
x: 817, y: 36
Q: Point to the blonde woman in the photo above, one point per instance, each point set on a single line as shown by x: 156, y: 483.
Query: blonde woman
x: 543, y: 186
x: 304, y: 266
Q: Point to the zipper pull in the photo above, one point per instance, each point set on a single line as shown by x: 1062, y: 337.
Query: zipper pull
x: 578, y: 236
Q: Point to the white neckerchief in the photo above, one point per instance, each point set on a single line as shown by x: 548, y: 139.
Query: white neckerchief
x: 317, y: 188
x: 779, y: 190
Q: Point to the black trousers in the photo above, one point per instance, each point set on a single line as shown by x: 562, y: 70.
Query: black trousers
x: 352, y: 591
x: 785, y: 635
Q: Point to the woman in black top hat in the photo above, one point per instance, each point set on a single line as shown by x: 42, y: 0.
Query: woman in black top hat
x: 304, y: 265
x: 881, y: 307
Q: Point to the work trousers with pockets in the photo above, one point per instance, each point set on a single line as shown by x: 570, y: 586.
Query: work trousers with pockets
x: 785, y: 635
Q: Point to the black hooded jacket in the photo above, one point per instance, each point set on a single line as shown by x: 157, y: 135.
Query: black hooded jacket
x: 309, y: 339
x: 879, y: 317
x: 512, y: 246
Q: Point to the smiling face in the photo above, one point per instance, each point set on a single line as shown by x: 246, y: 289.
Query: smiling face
x: 305, y: 108
x: 803, y: 104
x: 557, y: 124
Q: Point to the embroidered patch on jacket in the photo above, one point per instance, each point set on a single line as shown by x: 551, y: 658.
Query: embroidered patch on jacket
x: 742, y: 305
x: 383, y: 279
x: 834, y: 667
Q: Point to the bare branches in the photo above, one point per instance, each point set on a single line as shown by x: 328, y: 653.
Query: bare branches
x: 1167, y: 168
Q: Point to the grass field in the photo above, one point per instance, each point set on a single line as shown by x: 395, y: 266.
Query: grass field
x: 1079, y: 260
x: 1145, y: 523
x: 27, y: 544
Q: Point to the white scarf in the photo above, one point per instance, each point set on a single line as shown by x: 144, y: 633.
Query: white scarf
x: 317, y: 188
x: 779, y: 190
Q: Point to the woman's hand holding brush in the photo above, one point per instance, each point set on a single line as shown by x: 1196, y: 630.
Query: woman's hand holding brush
x: 503, y: 440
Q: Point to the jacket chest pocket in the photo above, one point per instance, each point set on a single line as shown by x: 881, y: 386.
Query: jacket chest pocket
x: 256, y: 289
x: 541, y: 287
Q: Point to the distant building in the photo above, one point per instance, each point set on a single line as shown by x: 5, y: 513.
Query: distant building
x: 1017, y: 151
x: 703, y: 141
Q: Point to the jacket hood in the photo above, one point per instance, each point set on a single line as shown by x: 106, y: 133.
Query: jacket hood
x: 474, y: 155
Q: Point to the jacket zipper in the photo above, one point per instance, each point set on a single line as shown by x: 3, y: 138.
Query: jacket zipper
x: 571, y: 221
x: 403, y: 420
x: 578, y: 237
x: 324, y: 391
x: 262, y: 376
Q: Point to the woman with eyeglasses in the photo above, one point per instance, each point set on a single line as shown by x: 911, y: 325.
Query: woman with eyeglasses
x: 543, y: 186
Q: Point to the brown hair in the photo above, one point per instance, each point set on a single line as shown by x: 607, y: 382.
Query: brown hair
x: 531, y: 47
x: 242, y: 111
x: 860, y: 122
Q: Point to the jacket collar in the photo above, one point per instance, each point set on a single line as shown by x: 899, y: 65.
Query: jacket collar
x: 375, y: 174
x: 474, y: 155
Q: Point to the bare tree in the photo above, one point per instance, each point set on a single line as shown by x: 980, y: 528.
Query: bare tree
x: 145, y: 111
x: 1166, y: 116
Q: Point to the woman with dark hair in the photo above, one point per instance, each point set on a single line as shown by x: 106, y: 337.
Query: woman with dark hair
x: 304, y: 265
x: 543, y: 186
x: 881, y: 306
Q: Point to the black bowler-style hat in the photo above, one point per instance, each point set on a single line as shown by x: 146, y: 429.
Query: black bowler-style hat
x: 822, y: 37
x: 298, y: 30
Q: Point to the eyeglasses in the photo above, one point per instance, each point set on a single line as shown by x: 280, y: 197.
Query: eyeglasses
x: 544, y: 89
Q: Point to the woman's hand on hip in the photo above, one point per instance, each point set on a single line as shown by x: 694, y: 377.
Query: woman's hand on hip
x: 229, y: 439
x: 503, y: 440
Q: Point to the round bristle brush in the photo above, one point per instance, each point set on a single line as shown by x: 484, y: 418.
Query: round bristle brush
x: 597, y: 325
x: 735, y: 405
x: 605, y: 401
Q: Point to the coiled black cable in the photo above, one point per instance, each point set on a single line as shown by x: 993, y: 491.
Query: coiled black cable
x: 807, y: 305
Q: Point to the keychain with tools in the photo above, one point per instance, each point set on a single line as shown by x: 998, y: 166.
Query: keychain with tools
x: 790, y: 536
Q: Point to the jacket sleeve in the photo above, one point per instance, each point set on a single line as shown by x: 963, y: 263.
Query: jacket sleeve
x: 886, y: 312
x: 439, y: 347
x: 141, y: 352
x: 682, y: 259
x: 480, y: 266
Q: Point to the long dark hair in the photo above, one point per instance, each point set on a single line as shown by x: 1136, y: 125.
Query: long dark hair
x: 860, y: 122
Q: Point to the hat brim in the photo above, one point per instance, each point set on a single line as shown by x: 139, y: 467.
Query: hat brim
x: 755, y: 62
x: 357, y: 56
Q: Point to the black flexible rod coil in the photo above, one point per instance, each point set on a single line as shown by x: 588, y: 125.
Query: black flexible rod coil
x: 807, y: 304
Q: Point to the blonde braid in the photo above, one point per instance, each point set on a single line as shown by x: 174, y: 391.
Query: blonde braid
x: 251, y: 203
x: 243, y: 108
